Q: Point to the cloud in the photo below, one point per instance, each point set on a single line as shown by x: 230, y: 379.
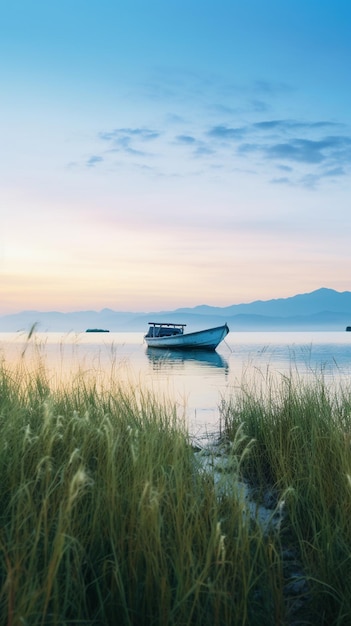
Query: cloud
x: 246, y: 148
x: 281, y: 181
x: 305, y: 152
x: 186, y: 139
x: 336, y: 171
x: 226, y: 133
x: 286, y: 142
x: 310, y: 151
x: 129, y: 139
x: 285, y: 168
x: 292, y: 125
x: 203, y: 150
x: 199, y: 148
x: 310, y: 181
x: 93, y: 160
x: 145, y: 134
x: 298, y: 150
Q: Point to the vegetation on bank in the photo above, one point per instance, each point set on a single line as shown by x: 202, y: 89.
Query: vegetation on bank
x: 301, y: 455
x: 107, y: 516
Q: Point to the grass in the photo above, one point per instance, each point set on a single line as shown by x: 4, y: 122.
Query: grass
x: 107, y: 516
x: 300, y: 434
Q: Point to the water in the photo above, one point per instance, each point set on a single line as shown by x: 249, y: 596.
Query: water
x: 196, y: 382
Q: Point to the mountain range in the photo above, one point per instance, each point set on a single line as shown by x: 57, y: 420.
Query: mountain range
x: 323, y: 309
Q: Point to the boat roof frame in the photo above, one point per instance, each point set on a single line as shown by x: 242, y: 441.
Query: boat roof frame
x: 167, y: 324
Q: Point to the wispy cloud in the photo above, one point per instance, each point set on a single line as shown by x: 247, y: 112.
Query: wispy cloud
x: 227, y: 133
x: 285, y: 168
x: 93, y: 160
x: 284, y: 180
x: 303, y: 151
x: 336, y: 171
x: 186, y: 139
x: 292, y: 125
x: 286, y: 142
x: 144, y: 134
x: 310, y: 151
x: 129, y: 140
x: 231, y: 130
x: 198, y: 147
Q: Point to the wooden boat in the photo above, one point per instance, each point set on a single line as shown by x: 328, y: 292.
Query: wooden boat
x: 172, y: 336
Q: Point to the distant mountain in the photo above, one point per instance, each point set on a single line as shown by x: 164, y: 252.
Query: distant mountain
x: 302, y: 304
x: 323, y: 309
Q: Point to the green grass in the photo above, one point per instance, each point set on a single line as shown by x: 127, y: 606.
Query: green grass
x: 106, y: 517
x: 300, y: 433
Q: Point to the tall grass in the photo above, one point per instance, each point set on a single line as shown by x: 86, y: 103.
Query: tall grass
x: 301, y: 432
x: 106, y: 517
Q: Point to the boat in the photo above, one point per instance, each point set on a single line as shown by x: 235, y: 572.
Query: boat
x: 172, y: 336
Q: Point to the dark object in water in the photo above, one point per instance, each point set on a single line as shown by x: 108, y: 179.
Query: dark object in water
x: 348, y: 328
x: 96, y: 330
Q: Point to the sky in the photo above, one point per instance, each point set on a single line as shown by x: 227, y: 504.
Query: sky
x: 173, y: 153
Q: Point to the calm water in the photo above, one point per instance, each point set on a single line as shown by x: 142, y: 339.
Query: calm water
x: 195, y: 381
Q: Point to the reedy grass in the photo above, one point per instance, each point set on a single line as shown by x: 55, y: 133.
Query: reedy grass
x: 301, y: 432
x: 105, y: 516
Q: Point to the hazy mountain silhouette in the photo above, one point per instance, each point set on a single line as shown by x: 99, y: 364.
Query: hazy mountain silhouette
x: 302, y: 304
x: 323, y: 309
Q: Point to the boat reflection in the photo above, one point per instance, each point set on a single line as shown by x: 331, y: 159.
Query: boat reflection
x: 176, y: 359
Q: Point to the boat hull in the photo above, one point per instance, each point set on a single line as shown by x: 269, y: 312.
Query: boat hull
x: 200, y: 340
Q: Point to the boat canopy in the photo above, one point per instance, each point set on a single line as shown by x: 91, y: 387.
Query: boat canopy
x: 164, y: 329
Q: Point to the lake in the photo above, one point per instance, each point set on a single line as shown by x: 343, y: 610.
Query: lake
x: 195, y: 381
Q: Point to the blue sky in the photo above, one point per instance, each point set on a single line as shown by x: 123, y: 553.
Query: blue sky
x: 164, y: 154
